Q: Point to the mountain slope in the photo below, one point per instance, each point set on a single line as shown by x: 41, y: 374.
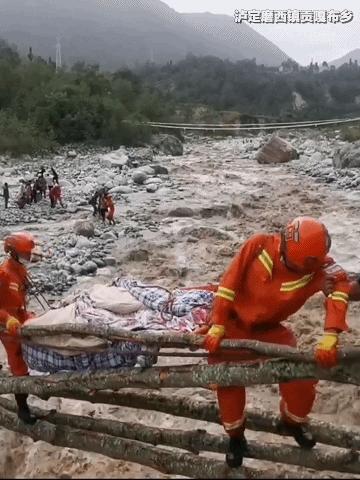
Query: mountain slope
x: 114, y: 33
x: 240, y: 39
x: 353, y: 55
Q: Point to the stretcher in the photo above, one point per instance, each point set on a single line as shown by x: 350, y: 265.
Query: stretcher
x: 127, y: 304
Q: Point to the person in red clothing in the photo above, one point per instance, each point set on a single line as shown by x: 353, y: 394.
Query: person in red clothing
x: 271, y: 278
x: 110, y: 208
x: 13, y: 312
x: 55, y: 195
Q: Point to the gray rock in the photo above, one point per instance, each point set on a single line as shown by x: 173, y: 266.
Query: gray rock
x: 141, y: 156
x: 160, y: 170
x: 152, y: 180
x: 181, y: 212
x: 116, y: 159
x: 139, y: 177
x: 84, y: 228
x: 99, y: 262
x: 89, y: 267
x: 140, y: 255
x: 109, y: 236
x: 106, y: 272
x: 72, y: 154
x: 83, y: 243
x: 213, y: 211
x: 74, y: 252
x: 76, y: 269
x: 152, y: 187
x: 276, y: 150
x: 167, y: 144
x: 347, y: 156
x: 110, y: 261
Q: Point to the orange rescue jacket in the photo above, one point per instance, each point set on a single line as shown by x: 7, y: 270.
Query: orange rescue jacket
x: 13, y: 287
x: 258, y: 289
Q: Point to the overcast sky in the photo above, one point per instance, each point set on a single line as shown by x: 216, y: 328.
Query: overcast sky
x: 302, y: 42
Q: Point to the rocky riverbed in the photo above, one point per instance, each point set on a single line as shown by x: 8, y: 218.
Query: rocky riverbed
x: 179, y: 221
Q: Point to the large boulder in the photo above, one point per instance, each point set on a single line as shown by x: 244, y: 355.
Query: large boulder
x: 139, y: 177
x: 116, y: 159
x: 347, y: 156
x: 141, y: 156
x: 167, y: 144
x: 84, y: 228
x: 276, y: 150
x: 160, y: 170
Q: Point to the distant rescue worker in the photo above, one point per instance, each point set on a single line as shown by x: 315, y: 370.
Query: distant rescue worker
x: 6, y: 194
x: 94, y: 202
x: 28, y: 192
x: 270, y: 279
x: 110, y: 208
x: 55, y: 195
x: 13, y: 311
x: 55, y: 175
x: 103, y: 206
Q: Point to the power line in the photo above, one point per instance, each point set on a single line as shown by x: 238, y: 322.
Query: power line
x: 249, y: 127
x: 235, y: 125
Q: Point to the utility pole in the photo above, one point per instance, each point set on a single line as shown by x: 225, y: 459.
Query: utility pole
x: 58, y: 55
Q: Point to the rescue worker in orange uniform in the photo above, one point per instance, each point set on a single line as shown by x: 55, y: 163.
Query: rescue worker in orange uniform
x: 110, y: 208
x: 271, y: 278
x: 13, y: 312
x: 55, y: 195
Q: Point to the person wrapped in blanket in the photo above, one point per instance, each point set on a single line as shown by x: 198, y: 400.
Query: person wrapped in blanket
x: 13, y: 312
x: 271, y: 278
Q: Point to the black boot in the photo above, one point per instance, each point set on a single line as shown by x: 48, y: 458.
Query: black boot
x: 23, y: 409
x: 300, y: 432
x: 236, y: 451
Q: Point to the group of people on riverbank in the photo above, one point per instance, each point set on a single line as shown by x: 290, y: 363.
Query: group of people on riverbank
x: 31, y: 191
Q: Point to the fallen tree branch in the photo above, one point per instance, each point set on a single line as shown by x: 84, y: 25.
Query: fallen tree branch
x: 180, y: 340
x: 162, y: 460
x: 186, y: 376
x: 199, y: 440
x: 258, y: 420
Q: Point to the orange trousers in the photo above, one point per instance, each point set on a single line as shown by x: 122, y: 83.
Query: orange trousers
x: 16, y: 362
x: 12, y: 346
x: 297, y: 397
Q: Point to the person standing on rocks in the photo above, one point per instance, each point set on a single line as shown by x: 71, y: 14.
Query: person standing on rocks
x: 13, y: 312
x: 270, y: 279
x: 6, y: 194
x: 110, y: 208
x: 94, y: 202
x: 55, y: 195
x: 103, y: 206
x: 55, y: 176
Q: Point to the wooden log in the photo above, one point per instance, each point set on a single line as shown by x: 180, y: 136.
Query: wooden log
x: 186, y: 376
x: 197, y: 441
x: 180, y: 340
x: 165, y: 461
x: 258, y: 420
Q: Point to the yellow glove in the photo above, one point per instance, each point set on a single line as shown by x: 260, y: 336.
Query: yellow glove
x: 326, y: 350
x: 213, y: 338
x: 12, y: 325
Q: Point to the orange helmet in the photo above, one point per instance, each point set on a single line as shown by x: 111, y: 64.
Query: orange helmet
x: 306, y: 243
x: 20, y: 244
